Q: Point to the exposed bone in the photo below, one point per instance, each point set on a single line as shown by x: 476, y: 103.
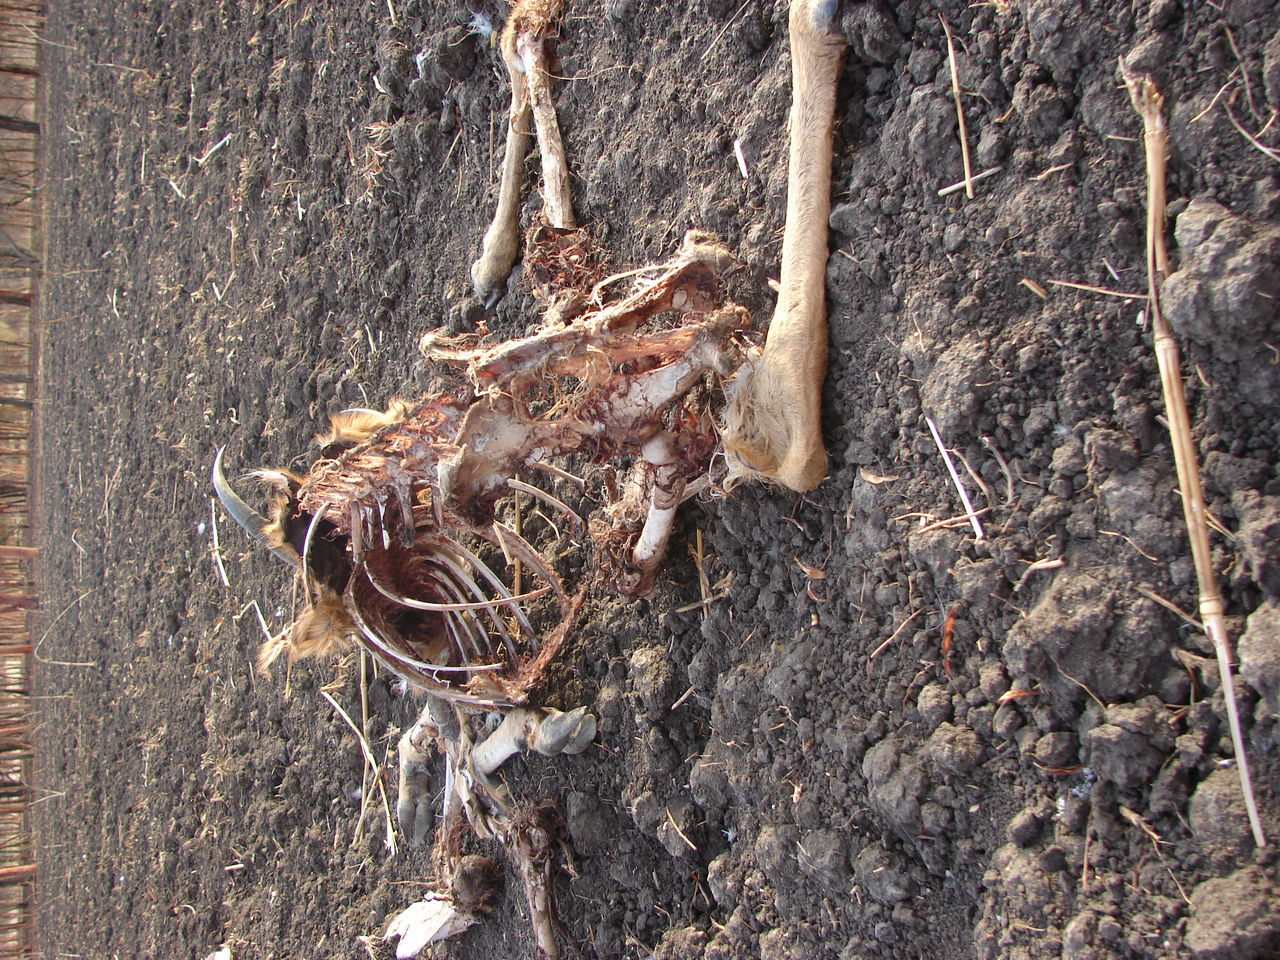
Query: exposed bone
x: 473, y: 629
x: 555, y: 471
x: 461, y: 605
x: 524, y: 51
x: 773, y: 424
x: 651, y: 547
x: 547, y: 498
x: 428, y: 921
x: 426, y: 676
x: 532, y: 845
x: 664, y: 498
x: 555, y: 169
x: 545, y: 731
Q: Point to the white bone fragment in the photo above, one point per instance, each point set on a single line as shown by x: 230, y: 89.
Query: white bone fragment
x: 556, y: 197
x: 428, y: 921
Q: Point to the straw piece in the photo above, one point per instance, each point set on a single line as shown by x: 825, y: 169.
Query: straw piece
x: 1149, y: 103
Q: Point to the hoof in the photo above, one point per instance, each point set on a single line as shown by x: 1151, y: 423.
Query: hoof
x: 488, y: 291
x: 413, y: 803
x: 822, y: 13
x: 558, y: 733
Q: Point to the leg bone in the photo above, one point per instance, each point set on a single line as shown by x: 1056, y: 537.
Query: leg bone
x: 556, y: 200
x: 417, y: 748
x: 413, y: 802
x: 545, y: 731
x: 667, y: 495
x: 501, y: 242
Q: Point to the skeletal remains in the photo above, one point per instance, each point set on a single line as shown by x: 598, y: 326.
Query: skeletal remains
x: 389, y: 527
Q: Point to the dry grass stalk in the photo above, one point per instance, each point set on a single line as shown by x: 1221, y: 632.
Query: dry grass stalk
x: 955, y: 91
x: 1169, y: 605
x: 700, y: 564
x: 1149, y: 103
x: 217, y: 546
x: 968, y: 183
x: 1090, y: 288
x: 373, y: 766
x: 970, y: 513
x: 892, y: 637
x: 1046, y: 564
x: 1271, y: 152
x: 1035, y: 288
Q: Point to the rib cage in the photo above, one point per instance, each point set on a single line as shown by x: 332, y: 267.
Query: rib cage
x: 394, y: 526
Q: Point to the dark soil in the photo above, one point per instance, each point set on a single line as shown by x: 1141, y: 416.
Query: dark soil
x: 256, y: 208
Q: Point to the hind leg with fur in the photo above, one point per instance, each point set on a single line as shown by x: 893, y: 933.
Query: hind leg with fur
x: 773, y: 427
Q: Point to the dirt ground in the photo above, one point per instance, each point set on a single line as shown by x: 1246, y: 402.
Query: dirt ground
x: 254, y: 210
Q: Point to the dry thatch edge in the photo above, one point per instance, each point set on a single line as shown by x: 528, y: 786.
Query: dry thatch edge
x: 1149, y: 103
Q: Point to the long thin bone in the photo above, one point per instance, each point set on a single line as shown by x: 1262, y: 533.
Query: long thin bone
x: 492, y: 578
x: 773, y: 426
x: 357, y: 532
x: 524, y: 51
x: 467, y: 581
x: 500, y: 624
x: 433, y: 668
x: 508, y: 540
x: 407, y: 667
x: 457, y: 627
x: 431, y: 607
x: 546, y: 498
x: 476, y: 635
x: 556, y: 201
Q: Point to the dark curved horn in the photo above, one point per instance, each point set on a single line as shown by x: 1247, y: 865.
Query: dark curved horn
x: 248, y: 518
